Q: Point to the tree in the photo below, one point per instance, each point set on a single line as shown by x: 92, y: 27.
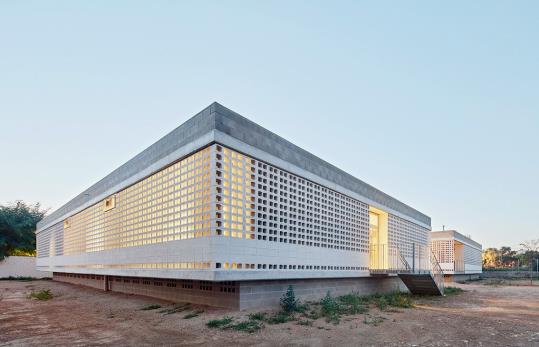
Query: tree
x: 508, y: 256
x: 17, y: 227
x: 491, y: 258
x: 530, y: 251
x: 532, y: 245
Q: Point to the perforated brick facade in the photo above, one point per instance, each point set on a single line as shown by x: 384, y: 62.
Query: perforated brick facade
x: 456, y: 253
x: 222, y: 208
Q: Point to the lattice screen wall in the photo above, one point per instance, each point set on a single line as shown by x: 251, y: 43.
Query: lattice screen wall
x: 404, y: 234
x: 444, y: 251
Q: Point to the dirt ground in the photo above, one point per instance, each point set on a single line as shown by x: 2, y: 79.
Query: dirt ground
x: 484, y: 315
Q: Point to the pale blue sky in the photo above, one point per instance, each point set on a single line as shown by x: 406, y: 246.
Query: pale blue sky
x: 434, y: 103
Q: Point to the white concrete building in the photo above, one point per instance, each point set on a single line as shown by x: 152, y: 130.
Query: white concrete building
x: 457, y: 254
x: 224, y: 212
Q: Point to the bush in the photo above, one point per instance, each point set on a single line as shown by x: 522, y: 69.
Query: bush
x: 289, y: 302
x: 279, y: 318
x: 330, y: 309
x: 18, y: 278
x: 382, y: 302
x: 219, y: 323
x: 395, y: 299
x: 41, y: 295
x: 399, y: 299
x: 353, y: 303
x: 249, y: 326
x: 333, y: 308
x: 261, y: 316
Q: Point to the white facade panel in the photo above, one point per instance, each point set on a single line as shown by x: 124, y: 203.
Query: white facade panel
x: 256, y: 221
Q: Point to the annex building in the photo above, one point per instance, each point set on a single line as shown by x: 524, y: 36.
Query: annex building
x: 457, y: 254
x: 224, y: 212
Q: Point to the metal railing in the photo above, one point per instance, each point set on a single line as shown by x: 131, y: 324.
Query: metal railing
x: 437, y: 273
x: 385, y: 259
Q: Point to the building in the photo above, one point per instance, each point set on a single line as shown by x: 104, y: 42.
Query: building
x: 458, y: 255
x: 224, y: 212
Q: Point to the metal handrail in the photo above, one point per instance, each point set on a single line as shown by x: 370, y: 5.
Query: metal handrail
x: 403, y: 260
x: 437, y: 273
x: 385, y: 258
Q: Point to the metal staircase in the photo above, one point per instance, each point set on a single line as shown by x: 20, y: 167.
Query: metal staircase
x: 424, y: 276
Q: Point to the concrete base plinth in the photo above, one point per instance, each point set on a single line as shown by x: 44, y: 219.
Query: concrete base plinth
x: 239, y: 295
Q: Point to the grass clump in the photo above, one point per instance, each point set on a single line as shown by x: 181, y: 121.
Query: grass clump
x: 375, y: 320
x: 18, y: 278
x: 193, y: 314
x: 260, y: 316
x: 175, y: 309
x: 330, y: 309
x: 219, y: 323
x: 381, y: 303
x: 305, y: 322
x: 249, y: 326
x: 280, y: 318
x: 395, y: 299
x: 452, y: 290
x: 150, y: 307
x: 353, y: 303
x: 399, y: 299
x: 41, y: 295
x: 333, y: 308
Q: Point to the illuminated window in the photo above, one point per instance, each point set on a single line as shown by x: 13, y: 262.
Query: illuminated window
x: 109, y: 203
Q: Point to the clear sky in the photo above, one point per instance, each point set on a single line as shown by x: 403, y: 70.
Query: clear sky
x: 435, y: 103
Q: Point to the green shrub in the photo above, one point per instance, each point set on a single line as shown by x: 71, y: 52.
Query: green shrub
x: 382, y: 302
x: 453, y: 290
x: 353, y: 303
x: 219, y: 323
x: 249, y: 326
x: 399, y: 299
x: 313, y: 314
x: 395, y: 299
x: 279, y: 318
x: 150, y: 307
x: 41, y: 295
x: 289, y: 302
x: 261, y: 316
x: 330, y: 309
x: 18, y: 278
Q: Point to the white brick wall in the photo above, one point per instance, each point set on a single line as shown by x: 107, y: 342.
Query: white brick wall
x: 21, y: 267
x: 273, y: 223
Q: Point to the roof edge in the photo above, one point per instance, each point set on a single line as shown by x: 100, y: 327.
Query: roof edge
x: 197, y: 125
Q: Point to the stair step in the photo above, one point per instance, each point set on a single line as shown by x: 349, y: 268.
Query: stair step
x: 420, y: 283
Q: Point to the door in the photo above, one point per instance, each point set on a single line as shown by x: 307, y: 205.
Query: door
x: 378, y: 241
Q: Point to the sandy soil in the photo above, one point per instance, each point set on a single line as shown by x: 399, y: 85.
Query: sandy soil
x: 481, y: 316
